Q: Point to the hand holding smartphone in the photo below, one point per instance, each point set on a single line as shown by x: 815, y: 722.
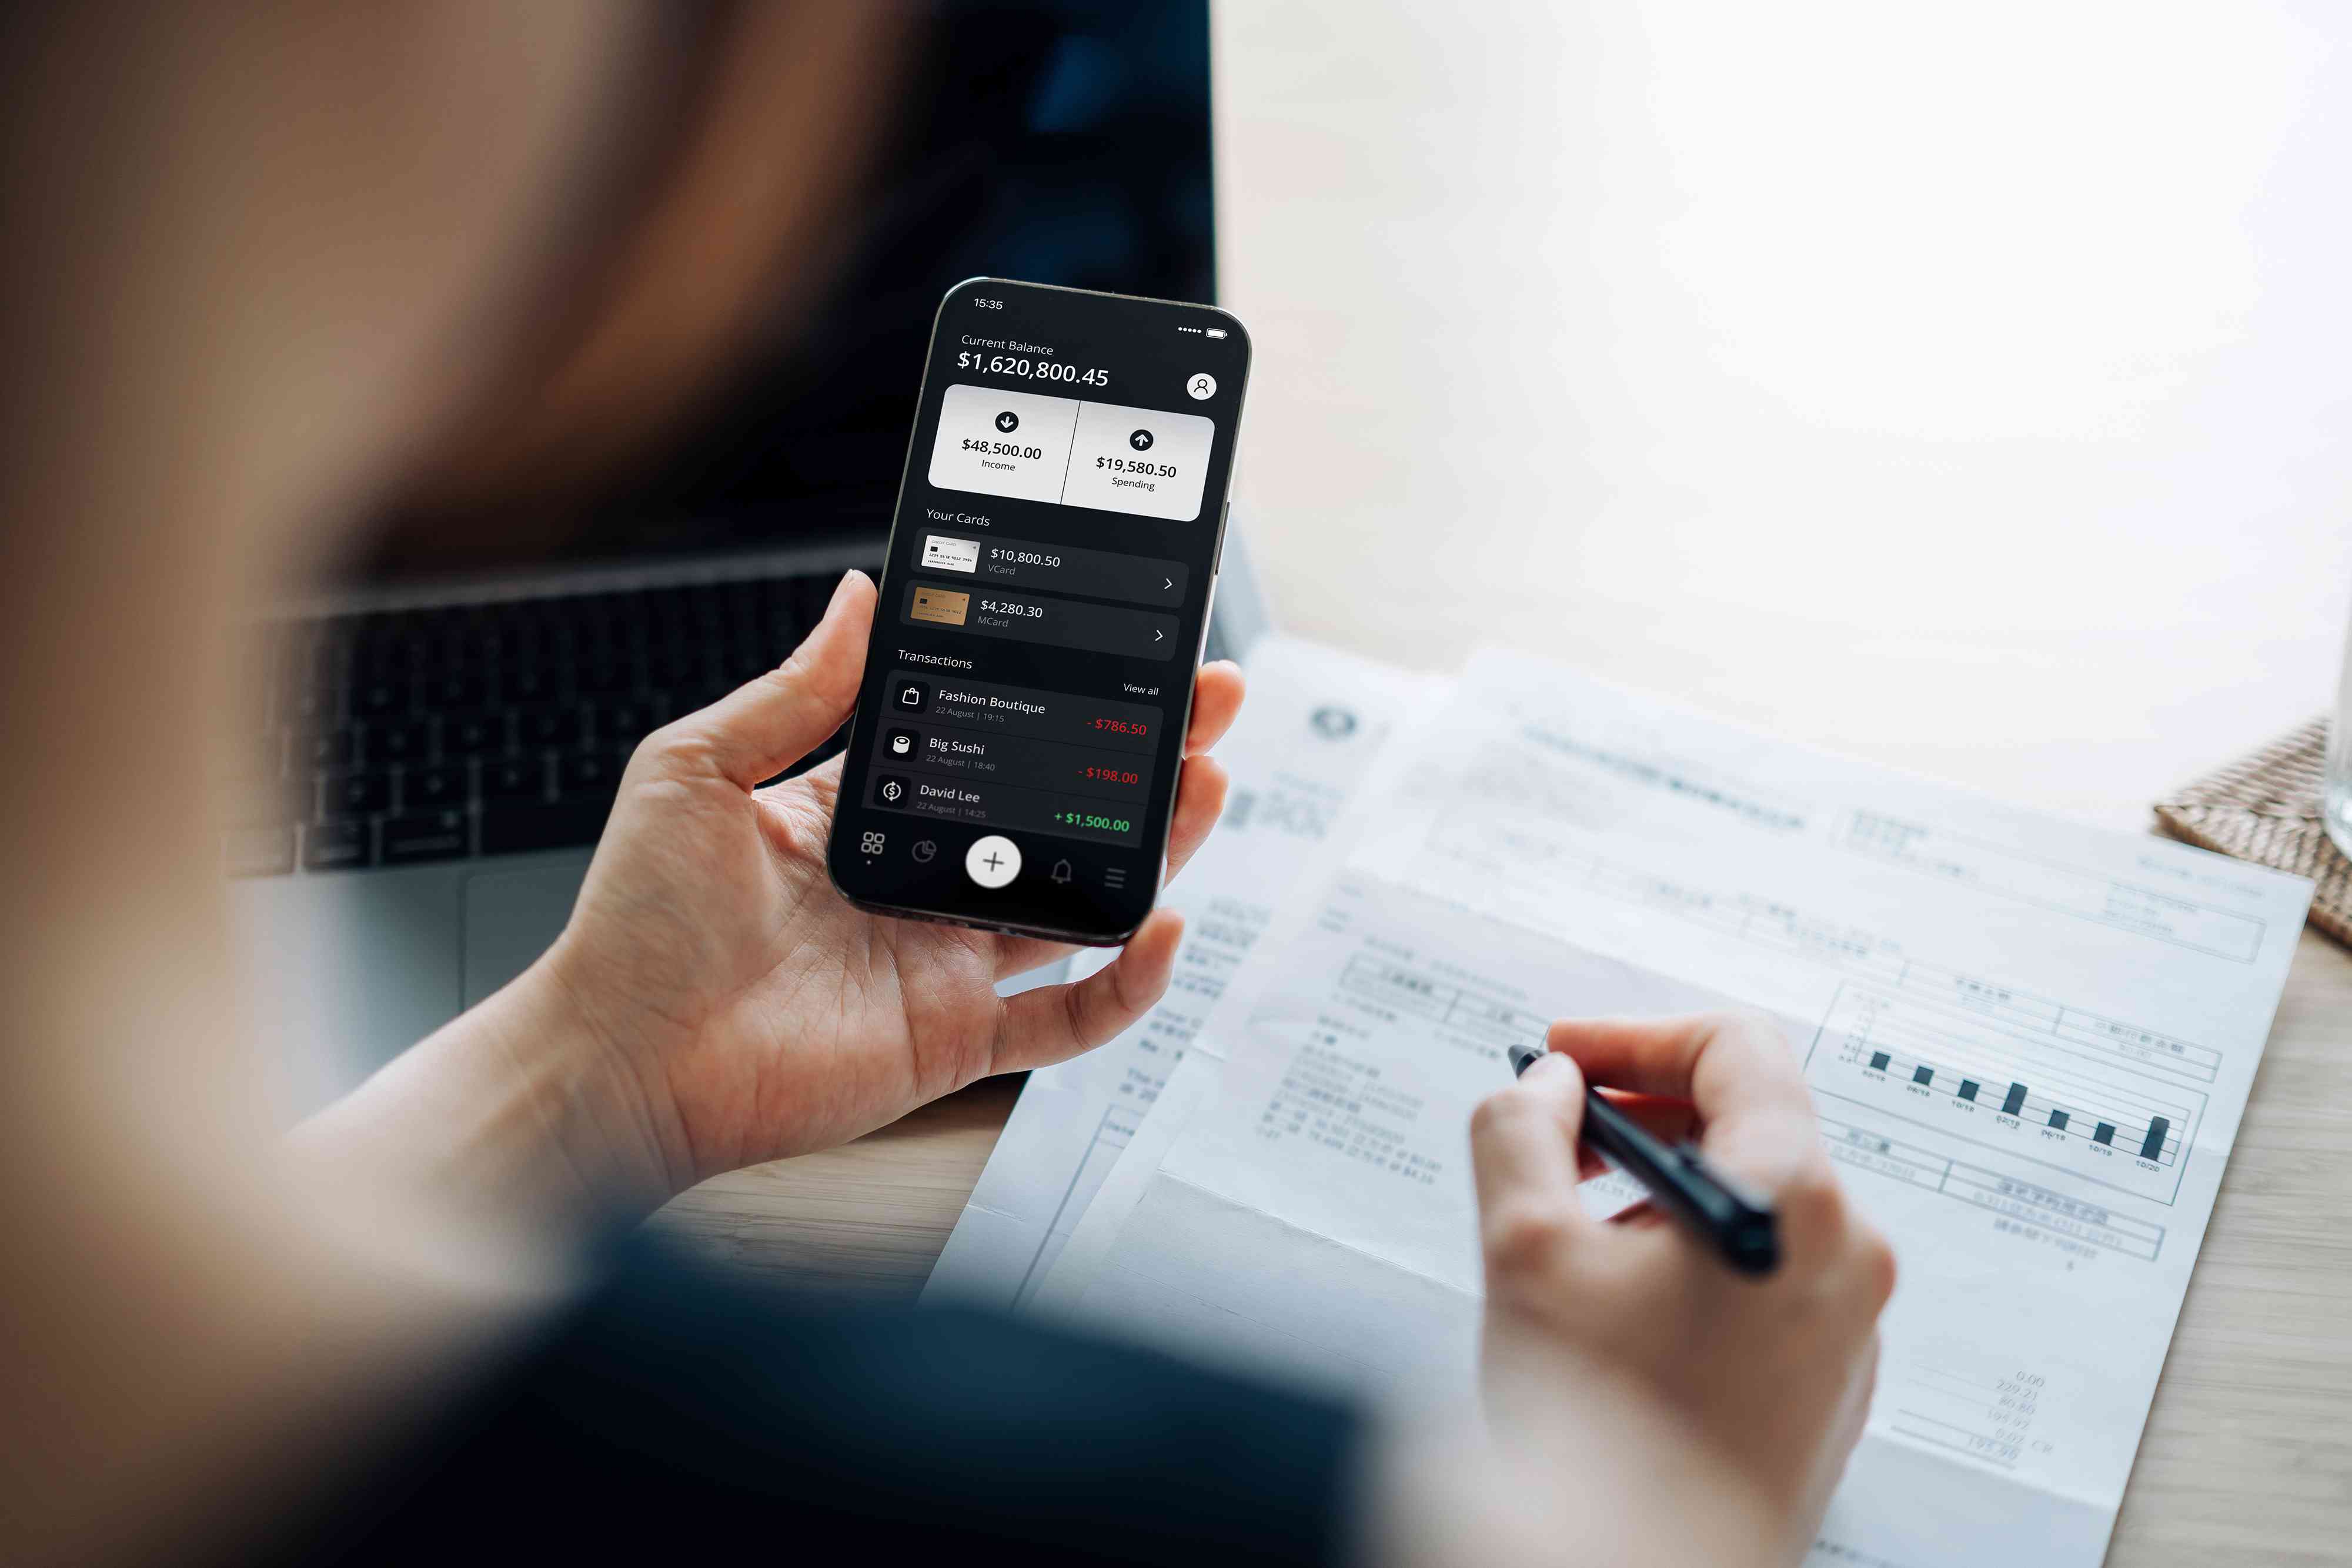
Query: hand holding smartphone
x: 1014, y: 755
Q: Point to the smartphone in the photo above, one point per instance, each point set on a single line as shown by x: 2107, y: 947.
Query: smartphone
x: 1013, y: 758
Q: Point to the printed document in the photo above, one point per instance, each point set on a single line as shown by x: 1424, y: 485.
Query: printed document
x: 1314, y: 721
x: 2029, y: 1044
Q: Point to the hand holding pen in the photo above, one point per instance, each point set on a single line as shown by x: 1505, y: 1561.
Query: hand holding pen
x: 1730, y: 1223
x: 1773, y: 1367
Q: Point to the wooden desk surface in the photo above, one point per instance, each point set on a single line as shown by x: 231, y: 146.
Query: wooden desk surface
x: 1698, y: 328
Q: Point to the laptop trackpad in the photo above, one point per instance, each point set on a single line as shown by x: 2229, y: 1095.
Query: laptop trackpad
x: 512, y: 915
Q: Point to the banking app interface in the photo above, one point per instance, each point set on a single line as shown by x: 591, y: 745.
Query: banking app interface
x: 1056, y: 542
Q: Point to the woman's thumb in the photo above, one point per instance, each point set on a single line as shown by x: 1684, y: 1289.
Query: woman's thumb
x: 763, y: 727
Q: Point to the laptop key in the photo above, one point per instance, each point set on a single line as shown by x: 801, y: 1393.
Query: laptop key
x: 588, y: 775
x: 457, y: 689
x: 417, y: 836
x: 473, y: 735
x: 321, y: 748
x: 515, y: 778
x: 339, y: 845
x: 603, y: 679
x: 380, y: 696
x: 398, y: 741
x: 628, y: 720
x: 512, y: 826
x: 548, y: 729
x: 358, y: 794
x: 527, y: 686
x: 430, y: 788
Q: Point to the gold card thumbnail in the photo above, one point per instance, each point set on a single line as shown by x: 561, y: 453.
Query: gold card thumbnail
x: 943, y: 605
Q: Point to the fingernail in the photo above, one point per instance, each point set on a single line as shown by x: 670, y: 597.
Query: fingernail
x: 841, y: 590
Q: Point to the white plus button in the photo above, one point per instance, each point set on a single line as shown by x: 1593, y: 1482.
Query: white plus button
x: 993, y: 862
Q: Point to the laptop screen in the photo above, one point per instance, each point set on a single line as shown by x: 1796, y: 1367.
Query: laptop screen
x: 740, y: 370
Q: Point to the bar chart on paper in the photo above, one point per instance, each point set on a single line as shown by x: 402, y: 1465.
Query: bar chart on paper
x: 2020, y: 1075
x: 2012, y: 1077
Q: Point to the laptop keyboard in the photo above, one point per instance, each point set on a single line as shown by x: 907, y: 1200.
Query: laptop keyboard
x: 398, y: 737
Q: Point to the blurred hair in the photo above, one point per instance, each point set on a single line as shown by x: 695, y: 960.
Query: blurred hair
x: 724, y: 229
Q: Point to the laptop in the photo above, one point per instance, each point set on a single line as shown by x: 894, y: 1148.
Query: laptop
x: 437, y: 732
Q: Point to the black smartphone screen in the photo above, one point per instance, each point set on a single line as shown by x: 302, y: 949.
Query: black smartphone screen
x: 1012, y: 761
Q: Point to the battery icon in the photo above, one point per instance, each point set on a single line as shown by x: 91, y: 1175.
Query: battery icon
x: 1212, y: 331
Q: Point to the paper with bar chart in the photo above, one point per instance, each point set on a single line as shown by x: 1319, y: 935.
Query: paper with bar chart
x: 2029, y: 1043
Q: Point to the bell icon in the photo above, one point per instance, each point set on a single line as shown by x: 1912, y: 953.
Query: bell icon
x: 1061, y: 871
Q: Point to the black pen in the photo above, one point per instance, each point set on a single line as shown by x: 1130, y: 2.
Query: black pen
x: 1741, y: 1231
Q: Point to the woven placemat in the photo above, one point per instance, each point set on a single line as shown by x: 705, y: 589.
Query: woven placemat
x: 2265, y: 807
